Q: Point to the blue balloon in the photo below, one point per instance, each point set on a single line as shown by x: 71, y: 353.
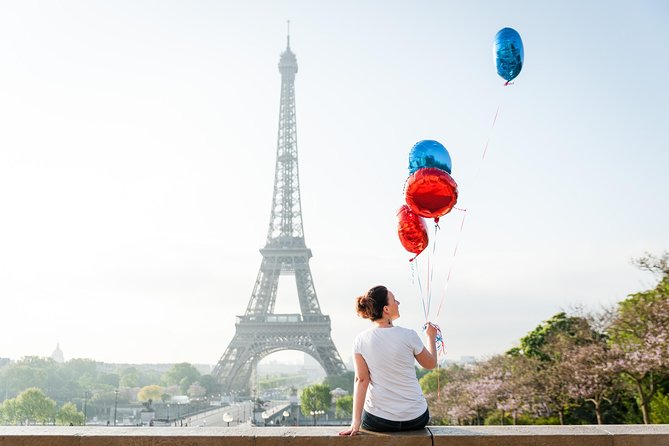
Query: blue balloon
x: 509, y: 53
x: 428, y: 153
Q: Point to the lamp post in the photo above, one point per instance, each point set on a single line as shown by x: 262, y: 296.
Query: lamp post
x: 286, y: 414
x: 115, y: 404
x: 315, y: 414
x: 168, y: 412
x: 85, y: 400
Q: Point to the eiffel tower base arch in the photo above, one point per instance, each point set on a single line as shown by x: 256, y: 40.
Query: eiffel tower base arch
x: 259, y: 336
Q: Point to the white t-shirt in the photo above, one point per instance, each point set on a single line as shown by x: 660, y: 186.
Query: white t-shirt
x: 393, y: 392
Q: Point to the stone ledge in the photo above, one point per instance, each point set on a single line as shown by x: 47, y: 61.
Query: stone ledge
x: 607, y: 435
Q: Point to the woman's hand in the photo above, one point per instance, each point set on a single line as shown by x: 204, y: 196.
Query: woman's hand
x: 430, y: 330
x: 353, y: 430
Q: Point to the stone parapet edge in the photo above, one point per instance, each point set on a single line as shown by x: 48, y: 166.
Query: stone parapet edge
x: 605, y: 435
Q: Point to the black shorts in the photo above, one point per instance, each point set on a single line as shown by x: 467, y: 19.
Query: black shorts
x: 373, y: 423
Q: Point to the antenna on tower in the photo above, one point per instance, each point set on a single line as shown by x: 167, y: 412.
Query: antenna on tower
x: 288, y: 23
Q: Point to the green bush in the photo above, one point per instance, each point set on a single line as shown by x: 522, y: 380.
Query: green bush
x: 659, y: 409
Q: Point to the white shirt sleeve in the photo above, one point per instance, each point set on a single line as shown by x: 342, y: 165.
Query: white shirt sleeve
x: 416, y: 343
x: 356, y: 345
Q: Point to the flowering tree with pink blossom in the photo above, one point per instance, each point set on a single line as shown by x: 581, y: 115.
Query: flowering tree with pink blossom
x: 469, y: 395
x: 455, y: 403
x: 593, y: 375
x: 495, y: 386
x: 639, y: 334
x: 567, y: 361
x: 517, y: 393
x: 443, y: 389
x: 547, y: 345
x: 640, y: 341
x: 482, y: 394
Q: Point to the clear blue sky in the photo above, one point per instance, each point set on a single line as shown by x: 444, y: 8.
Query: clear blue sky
x: 137, y: 150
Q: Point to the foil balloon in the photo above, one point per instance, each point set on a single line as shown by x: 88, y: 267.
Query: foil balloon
x: 429, y: 153
x: 431, y: 192
x: 412, y: 230
x: 509, y: 53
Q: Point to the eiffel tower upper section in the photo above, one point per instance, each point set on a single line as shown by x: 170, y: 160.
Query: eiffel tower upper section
x: 285, y: 225
x: 285, y: 247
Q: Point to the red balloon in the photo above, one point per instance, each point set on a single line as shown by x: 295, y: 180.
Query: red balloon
x: 412, y: 230
x: 431, y: 192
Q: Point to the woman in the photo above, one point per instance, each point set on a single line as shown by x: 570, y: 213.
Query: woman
x: 386, y: 393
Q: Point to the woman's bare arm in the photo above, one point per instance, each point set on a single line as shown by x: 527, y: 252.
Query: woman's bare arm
x: 359, y: 393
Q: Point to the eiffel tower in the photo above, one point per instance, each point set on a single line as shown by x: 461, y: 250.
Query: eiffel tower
x: 260, y: 331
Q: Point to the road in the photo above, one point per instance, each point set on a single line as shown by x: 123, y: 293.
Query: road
x: 239, y: 413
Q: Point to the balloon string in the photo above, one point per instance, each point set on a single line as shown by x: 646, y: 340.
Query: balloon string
x: 485, y: 148
x: 431, y: 270
x: 450, y: 268
x: 441, y: 351
x: 464, y: 214
x: 420, y: 286
x: 438, y: 386
x: 429, y: 282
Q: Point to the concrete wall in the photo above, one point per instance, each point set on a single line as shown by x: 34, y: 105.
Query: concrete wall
x: 609, y: 435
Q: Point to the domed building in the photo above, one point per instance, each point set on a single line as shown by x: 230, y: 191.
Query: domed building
x: 57, y: 354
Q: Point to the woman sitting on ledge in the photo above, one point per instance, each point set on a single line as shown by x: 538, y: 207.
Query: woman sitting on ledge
x: 386, y: 393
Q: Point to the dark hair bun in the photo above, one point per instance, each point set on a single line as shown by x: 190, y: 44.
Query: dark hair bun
x: 364, y: 306
x: 370, y: 306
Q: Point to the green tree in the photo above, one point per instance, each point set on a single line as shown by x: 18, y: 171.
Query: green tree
x: 152, y: 392
x: 550, y: 343
x: 110, y: 379
x: 639, y: 334
x: 35, y: 406
x: 315, y: 397
x: 433, y: 380
x: 344, y: 407
x: 182, y: 374
x: 210, y: 384
x: 147, y: 377
x: 68, y: 414
x: 9, y: 412
x: 129, y: 377
x: 640, y: 337
x: 82, y: 371
x: 659, y: 409
x: 539, y: 343
x: 29, y: 371
x: 104, y: 397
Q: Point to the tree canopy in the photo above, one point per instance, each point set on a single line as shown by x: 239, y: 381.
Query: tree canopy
x: 183, y: 375
x: 572, y: 368
x: 315, y: 397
